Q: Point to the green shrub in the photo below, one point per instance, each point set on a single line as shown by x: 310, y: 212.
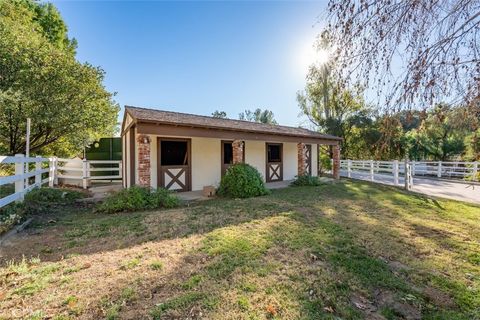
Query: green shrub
x: 242, y: 181
x: 306, y: 180
x: 126, y: 200
x: 138, y: 198
x: 162, y: 198
x: 6, y: 189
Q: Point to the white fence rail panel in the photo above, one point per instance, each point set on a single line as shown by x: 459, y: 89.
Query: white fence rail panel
x: 55, y: 168
x: 22, y: 175
x: 371, y: 170
x: 80, y: 171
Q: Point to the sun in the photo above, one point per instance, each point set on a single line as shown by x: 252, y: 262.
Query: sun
x: 322, y: 57
x: 312, y: 56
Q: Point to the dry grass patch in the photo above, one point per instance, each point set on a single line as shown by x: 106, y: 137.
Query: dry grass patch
x: 350, y: 250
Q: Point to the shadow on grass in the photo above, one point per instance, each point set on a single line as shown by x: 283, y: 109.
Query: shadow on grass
x: 299, y: 253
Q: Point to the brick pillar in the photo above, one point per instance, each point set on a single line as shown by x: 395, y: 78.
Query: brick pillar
x: 237, y: 150
x: 143, y: 160
x: 301, y: 159
x: 336, y: 162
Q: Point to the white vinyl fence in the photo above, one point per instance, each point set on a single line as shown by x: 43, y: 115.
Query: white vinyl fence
x: 395, y: 170
x: 84, y: 171
x: 34, y: 172
x: 22, y: 178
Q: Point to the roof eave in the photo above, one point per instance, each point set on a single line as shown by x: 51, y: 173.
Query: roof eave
x: 332, y: 138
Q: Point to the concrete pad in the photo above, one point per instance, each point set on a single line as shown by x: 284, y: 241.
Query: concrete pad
x: 191, y: 195
x: 278, y: 184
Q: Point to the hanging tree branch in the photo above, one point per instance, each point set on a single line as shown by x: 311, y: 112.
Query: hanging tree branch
x: 412, y: 53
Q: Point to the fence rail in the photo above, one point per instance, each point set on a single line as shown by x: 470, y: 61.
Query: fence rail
x: 81, y: 170
x: 396, y: 169
x: 49, y: 170
x: 22, y: 178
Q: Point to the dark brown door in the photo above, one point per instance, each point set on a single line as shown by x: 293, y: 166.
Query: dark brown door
x: 274, y: 169
x: 308, y: 159
x: 174, y: 164
x: 227, y: 155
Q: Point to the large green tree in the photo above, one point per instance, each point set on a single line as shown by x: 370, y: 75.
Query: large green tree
x: 441, y: 134
x: 41, y: 79
x: 337, y: 110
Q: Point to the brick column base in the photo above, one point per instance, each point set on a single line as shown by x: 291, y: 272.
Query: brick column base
x: 336, y: 162
x: 143, y: 160
x: 237, y: 150
x: 301, y: 159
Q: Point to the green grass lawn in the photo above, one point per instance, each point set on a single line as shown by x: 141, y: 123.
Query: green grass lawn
x: 349, y: 250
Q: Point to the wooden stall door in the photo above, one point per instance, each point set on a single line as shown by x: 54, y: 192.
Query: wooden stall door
x: 174, y: 164
x: 274, y: 158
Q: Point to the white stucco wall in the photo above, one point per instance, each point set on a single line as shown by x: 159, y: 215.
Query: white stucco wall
x: 255, y: 155
x: 127, y: 157
x: 290, y: 161
x: 206, y: 158
x: 153, y: 161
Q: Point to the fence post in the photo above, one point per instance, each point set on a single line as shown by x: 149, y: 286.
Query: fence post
x: 395, y: 172
x: 413, y: 168
x: 408, y: 175
x: 439, y: 169
x: 38, y: 174
x: 51, y: 171
x: 371, y: 171
x: 475, y: 171
x: 20, y: 170
x: 120, y: 170
x: 85, y: 173
x: 55, y: 171
x: 349, y: 168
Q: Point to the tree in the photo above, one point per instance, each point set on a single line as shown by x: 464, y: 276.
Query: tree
x: 434, y: 44
x: 259, y: 115
x: 472, y: 150
x: 441, y: 134
x: 334, y: 109
x: 52, y: 25
x: 219, y: 114
x: 392, y: 142
x: 362, y: 135
x: 40, y: 79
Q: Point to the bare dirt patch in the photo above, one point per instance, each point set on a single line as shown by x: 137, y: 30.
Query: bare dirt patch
x: 388, y: 299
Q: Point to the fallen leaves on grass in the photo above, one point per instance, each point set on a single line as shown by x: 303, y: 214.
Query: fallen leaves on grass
x: 271, y: 310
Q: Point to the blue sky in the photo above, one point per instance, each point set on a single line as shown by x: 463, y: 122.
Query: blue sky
x: 197, y: 57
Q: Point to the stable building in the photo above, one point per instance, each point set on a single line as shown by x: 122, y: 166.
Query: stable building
x: 186, y: 152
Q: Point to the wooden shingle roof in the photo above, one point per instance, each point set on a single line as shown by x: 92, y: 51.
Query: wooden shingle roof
x: 191, y: 120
